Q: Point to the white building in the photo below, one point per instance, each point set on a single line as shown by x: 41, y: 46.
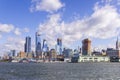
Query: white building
x: 93, y: 59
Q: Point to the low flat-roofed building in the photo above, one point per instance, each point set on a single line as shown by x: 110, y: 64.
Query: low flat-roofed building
x: 30, y: 55
x: 113, y: 52
x: 22, y: 54
x: 93, y: 59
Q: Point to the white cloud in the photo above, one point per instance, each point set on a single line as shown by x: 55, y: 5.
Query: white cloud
x: 46, y: 5
x: 17, y: 31
x: 0, y: 36
x: 51, y: 28
x: 6, y: 27
x: 26, y: 30
x: 104, y: 23
x: 110, y: 2
x: 106, y: 1
x: 104, y: 47
x: 12, y: 42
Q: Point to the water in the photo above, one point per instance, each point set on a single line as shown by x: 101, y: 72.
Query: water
x: 59, y: 71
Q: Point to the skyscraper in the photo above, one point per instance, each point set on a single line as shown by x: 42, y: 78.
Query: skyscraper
x: 13, y: 53
x: 45, y: 46
x: 117, y: 44
x: 86, y: 47
x: 28, y: 44
x: 59, y: 46
x: 38, y: 45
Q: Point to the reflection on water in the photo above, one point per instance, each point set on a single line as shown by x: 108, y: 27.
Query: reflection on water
x: 59, y: 71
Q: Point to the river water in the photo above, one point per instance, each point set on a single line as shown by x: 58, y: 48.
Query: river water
x: 59, y: 71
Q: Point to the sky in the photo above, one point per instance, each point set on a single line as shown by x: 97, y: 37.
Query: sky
x: 71, y: 20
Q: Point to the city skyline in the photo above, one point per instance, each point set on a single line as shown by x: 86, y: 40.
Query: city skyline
x: 70, y: 20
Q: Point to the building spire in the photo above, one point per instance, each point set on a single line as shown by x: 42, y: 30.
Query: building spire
x: 117, y: 43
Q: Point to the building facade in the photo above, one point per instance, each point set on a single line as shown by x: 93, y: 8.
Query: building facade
x: 13, y: 53
x: 28, y: 44
x: 59, y: 46
x: 117, y: 44
x: 67, y: 53
x: 22, y: 54
x: 93, y: 59
x: 86, y: 47
x: 45, y: 46
x: 113, y: 52
x: 53, y: 54
x: 38, y: 49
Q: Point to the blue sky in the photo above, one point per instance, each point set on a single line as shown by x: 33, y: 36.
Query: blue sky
x: 72, y: 20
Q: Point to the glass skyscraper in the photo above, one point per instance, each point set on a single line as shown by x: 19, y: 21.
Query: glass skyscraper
x: 59, y: 46
x: 28, y: 44
x: 45, y: 47
x: 38, y: 45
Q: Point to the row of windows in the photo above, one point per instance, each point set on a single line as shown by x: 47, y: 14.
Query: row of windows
x: 93, y: 58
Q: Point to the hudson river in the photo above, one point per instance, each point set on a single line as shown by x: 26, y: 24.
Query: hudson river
x: 59, y: 71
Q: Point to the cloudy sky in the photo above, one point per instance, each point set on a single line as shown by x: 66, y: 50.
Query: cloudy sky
x: 71, y: 20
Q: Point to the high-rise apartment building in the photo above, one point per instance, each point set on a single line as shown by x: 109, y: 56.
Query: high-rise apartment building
x: 67, y: 52
x: 28, y: 44
x: 38, y: 49
x: 44, y: 47
x: 86, y: 47
x: 59, y: 46
x: 13, y: 53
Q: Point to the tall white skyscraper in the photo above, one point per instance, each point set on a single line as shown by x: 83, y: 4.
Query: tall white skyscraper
x: 38, y: 49
x: 59, y: 46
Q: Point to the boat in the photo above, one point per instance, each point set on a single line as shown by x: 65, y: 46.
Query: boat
x: 14, y: 61
x: 24, y: 60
